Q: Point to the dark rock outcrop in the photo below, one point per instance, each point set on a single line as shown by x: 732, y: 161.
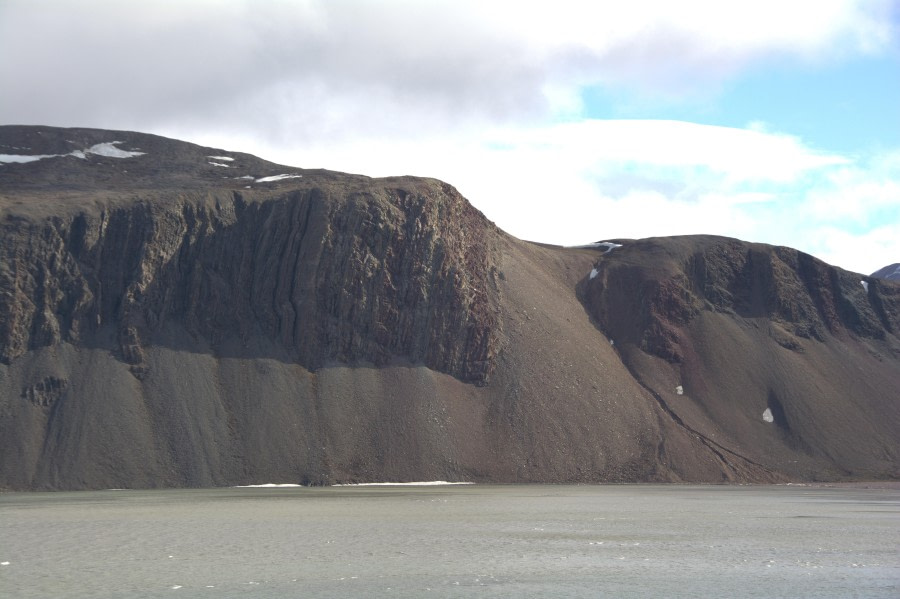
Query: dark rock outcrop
x: 172, y: 315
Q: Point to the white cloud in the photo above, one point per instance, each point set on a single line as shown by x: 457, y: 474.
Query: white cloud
x: 298, y: 68
x: 472, y: 92
x: 863, y: 252
x: 854, y: 197
x: 739, y: 154
x: 581, y: 182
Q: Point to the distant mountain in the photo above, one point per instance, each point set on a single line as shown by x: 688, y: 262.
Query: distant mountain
x: 174, y: 315
x: 891, y: 272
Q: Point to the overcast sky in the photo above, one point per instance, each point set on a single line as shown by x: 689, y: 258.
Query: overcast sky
x: 564, y: 122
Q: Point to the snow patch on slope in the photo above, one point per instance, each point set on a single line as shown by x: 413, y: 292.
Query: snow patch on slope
x: 21, y: 158
x: 277, y: 178
x: 431, y: 483
x: 268, y: 486
x: 609, y: 245
x: 110, y: 150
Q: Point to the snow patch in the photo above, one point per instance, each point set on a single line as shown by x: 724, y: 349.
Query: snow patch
x: 431, y: 483
x: 268, y: 486
x: 767, y: 416
x: 107, y: 149
x: 223, y: 158
x: 277, y: 178
x: 594, y: 273
x: 246, y: 177
x: 220, y: 164
x: 20, y: 158
x: 865, y: 285
x: 110, y: 150
x: 609, y: 245
x: 4, y: 563
x: 679, y: 390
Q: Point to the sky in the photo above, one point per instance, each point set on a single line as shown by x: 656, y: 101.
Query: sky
x: 564, y: 122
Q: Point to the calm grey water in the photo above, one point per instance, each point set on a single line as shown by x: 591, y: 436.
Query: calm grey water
x: 472, y: 541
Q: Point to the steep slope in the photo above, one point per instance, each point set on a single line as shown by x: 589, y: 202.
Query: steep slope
x: 172, y: 315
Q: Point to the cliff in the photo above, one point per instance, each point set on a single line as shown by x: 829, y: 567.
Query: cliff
x: 172, y: 315
x: 728, y: 335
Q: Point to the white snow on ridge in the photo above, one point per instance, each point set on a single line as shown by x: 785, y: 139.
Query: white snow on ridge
x: 277, y: 178
x: 223, y: 158
x: 432, y: 483
x: 220, y: 164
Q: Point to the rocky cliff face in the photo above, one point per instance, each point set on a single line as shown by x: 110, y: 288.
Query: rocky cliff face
x: 729, y: 333
x: 676, y: 279
x: 172, y: 315
x: 353, y: 271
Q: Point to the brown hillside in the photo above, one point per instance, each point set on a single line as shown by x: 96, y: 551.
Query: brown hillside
x: 169, y: 321
x: 744, y: 328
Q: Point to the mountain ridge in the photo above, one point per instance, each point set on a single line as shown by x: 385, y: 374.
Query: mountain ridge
x: 169, y: 321
x: 891, y: 272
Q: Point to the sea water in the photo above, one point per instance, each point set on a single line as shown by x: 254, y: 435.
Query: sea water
x: 454, y: 541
